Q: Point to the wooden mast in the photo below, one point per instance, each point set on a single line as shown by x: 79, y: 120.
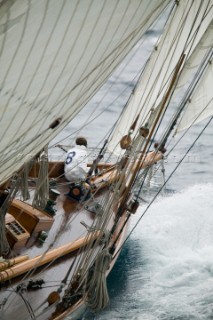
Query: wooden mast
x: 140, y: 161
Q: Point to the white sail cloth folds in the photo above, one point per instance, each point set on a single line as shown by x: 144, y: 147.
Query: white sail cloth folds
x: 54, y: 56
x: 185, y: 27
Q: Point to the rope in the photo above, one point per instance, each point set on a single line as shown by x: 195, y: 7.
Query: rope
x: 28, y: 305
x: 97, y: 297
x: 24, y: 180
x: 4, y: 245
x: 42, y: 186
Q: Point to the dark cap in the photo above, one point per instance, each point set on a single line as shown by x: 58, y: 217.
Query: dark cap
x: 81, y: 141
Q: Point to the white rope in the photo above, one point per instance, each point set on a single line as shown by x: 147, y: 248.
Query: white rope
x: 42, y: 186
x: 97, y: 297
x: 4, y: 245
x: 24, y: 180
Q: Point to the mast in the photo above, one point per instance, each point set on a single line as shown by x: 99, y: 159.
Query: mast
x: 126, y: 194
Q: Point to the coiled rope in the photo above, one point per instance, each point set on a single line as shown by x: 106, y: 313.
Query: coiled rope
x: 42, y: 186
x: 24, y: 180
x: 4, y: 245
x: 97, y: 297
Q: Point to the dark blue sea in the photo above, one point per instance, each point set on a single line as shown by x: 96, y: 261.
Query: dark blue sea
x: 165, y: 270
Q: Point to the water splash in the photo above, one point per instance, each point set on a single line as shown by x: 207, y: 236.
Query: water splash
x: 165, y: 271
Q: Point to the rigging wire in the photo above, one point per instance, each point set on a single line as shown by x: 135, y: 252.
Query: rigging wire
x: 28, y: 305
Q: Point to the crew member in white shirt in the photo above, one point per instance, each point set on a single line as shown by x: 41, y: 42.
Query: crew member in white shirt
x: 75, y: 167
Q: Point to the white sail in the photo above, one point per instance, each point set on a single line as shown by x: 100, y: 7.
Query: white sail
x: 54, y: 57
x: 181, y: 35
x: 200, y: 103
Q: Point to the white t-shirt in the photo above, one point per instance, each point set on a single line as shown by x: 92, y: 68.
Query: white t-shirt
x: 75, y: 166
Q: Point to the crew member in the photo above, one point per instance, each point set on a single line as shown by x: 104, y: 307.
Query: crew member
x: 75, y: 167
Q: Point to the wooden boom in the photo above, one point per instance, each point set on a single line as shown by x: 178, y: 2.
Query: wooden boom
x: 40, y: 260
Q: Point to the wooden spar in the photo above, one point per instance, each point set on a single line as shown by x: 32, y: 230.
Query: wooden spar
x: 102, y: 165
x: 11, y: 262
x: 151, y: 158
x: 140, y: 161
x: 106, y: 179
x: 56, y: 168
x: 40, y: 260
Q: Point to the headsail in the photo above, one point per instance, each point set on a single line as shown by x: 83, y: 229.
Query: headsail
x: 182, y: 33
x: 54, y: 56
x: 199, y: 104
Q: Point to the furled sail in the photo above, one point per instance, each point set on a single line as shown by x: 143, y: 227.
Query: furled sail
x: 182, y: 33
x: 54, y: 56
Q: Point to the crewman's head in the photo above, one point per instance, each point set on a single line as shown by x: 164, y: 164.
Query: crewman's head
x: 81, y: 141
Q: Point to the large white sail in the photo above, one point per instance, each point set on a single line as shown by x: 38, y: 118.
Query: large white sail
x: 54, y: 57
x: 200, y: 102
x: 182, y: 33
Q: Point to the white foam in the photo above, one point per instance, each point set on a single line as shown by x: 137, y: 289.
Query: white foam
x: 176, y: 237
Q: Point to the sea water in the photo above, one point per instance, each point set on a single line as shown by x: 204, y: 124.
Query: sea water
x: 165, y: 270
